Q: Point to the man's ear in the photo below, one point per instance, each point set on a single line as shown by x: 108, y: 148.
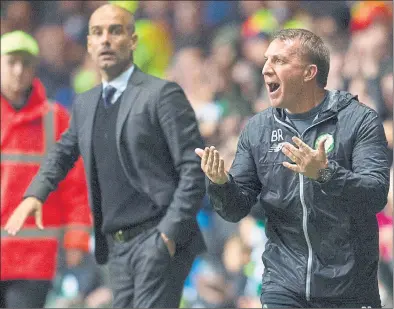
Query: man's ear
x: 133, y: 42
x: 310, y: 72
x: 89, y: 45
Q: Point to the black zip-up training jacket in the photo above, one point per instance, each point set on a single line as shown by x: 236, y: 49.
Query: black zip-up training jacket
x: 322, y: 238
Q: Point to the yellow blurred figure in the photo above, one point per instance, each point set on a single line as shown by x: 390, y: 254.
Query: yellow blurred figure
x: 154, y: 50
x: 130, y: 5
x: 155, y: 47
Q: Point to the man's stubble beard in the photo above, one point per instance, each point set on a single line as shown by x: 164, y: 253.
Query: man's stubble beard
x: 116, y: 69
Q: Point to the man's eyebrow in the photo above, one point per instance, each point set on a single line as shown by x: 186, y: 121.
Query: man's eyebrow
x: 116, y: 26
x: 274, y: 57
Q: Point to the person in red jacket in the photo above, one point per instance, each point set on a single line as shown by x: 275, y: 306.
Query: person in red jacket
x: 30, y: 125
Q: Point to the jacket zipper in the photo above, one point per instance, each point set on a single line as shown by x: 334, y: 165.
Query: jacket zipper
x: 305, y: 211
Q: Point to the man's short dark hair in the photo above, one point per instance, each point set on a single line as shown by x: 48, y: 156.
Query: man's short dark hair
x: 312, y: 47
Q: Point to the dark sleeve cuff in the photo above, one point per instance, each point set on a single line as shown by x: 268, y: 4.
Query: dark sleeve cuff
x: 39, y: 192
x: 218, y: 193
x: 211, y: 184
x: 179, y: 232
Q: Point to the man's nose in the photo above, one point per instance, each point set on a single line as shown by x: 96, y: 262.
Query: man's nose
x: 105, y: 38
x: 267, y: 69
x: 18, y: 68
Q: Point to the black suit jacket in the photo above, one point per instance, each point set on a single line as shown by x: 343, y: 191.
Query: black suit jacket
x: 156, y: 134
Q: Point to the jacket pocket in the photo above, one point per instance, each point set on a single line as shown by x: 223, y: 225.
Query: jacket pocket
x: 280, y: 185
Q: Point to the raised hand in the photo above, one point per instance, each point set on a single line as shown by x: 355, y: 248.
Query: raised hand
x: 29, y: 206
x: 212, y: 165
x: 307, y: 160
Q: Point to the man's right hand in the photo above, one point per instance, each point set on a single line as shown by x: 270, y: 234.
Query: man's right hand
x: 29, y: 206
x: 212, y: 165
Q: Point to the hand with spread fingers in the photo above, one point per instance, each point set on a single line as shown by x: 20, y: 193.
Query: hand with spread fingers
x: 212, y: 165
x: 307, y: 161
x: 29, y: 206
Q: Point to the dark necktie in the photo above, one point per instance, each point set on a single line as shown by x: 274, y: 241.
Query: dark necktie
x: 109, y: 92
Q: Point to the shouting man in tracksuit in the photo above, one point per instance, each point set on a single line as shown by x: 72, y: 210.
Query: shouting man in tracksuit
x: 318, y: 160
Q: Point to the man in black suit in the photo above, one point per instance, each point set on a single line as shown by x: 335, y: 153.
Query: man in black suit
x: 137, y: 135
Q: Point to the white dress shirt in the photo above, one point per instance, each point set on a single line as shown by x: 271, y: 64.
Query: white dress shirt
x: 120, y: 83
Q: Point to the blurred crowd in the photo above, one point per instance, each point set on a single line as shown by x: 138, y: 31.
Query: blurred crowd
x: 215, y: 51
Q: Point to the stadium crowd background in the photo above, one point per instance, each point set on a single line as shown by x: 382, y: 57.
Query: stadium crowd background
x: 214, y: 50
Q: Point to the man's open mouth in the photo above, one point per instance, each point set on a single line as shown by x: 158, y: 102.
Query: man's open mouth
x: 273, y: 87
x: 107, y: 53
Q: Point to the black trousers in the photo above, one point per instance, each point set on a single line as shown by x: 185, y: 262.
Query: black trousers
x: 24, y: 293
x: 289, y: 300
x: 144, y: 275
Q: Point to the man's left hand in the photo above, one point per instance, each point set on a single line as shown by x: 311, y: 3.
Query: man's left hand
x: 169, y: 243
x: 307, y: 161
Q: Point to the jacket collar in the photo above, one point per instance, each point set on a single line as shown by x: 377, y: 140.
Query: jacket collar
x: 35, y: 106
x: 336, y: 101
x: 120, y: 82
x: 137, y: 77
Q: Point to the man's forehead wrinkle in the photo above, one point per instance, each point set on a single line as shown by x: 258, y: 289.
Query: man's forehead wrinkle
x: 276, y: 55
x: 291, y: 48
x: 294, y: 52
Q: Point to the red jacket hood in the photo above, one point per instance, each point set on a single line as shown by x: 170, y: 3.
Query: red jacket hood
x: 35, y: 106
